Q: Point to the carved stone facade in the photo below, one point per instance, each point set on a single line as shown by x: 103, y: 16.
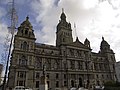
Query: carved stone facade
x: 68, y: 64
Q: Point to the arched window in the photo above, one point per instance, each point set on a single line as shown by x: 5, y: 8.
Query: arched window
x: 72, y: 64
x: 64, y: 65
x: 26, y: 32
x: 38, y: 62
x: 48, y: 62
x: 80, y: 65
x: 25, y: 46
x: 80, y: 82
x: 57, y: 64
x: 23, y: 61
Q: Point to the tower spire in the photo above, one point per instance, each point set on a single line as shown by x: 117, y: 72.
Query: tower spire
x: 102, y: 38
x: 62, y: 10
x: 75, y: 30
x: 27, y: 17
x: 63, y: 27
x: 63, y: 16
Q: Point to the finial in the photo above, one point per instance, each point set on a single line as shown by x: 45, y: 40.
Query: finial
x: 74, y: 25
x: 75, y: 30
x: 86, y: 39
x: 27, y: 17
x: 63, y: 16
x: 102, y: 38
x: 77, y: 39
x: 62, y: 10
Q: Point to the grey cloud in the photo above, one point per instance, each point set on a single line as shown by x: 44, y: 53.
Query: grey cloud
x: 48, y: 14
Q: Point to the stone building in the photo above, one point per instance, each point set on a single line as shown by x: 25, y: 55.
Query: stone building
x: 68, y: 64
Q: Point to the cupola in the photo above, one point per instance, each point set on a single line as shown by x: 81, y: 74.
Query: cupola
x: 26, y: 29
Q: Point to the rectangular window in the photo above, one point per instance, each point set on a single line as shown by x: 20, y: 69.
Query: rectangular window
x: 37, y: 84
x: 103, y: 76
x: 21, y: 74
x: 37, y: 75
x: 80, y: 65
x: 97, y: 76
x: 21, y: 83
x: 64, y: 76
x: 48, y: 83
x: 65, y: 83
x: 57, y: 83
x: 108, y: 76
x: 47, y: 75
x: 57, y: 75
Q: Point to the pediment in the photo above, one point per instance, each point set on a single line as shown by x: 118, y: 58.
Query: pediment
x: 79, y: 44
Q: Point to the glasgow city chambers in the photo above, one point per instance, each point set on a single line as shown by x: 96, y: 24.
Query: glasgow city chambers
x: 67, y: 64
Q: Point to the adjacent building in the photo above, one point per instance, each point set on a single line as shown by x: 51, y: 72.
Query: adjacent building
x: 117, y: 67
x: 68, y: 64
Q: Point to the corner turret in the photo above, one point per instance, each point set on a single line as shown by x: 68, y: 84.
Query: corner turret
x: 87, y: 43
x: 26, y: 29
x: 104, y: 46
x: 64, y: 31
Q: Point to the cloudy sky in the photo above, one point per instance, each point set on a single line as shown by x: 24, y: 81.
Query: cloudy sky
x: 93, y: 19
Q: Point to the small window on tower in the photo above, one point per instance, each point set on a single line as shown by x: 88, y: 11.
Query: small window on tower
x: 26, y: 32
x: 25, y: 46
